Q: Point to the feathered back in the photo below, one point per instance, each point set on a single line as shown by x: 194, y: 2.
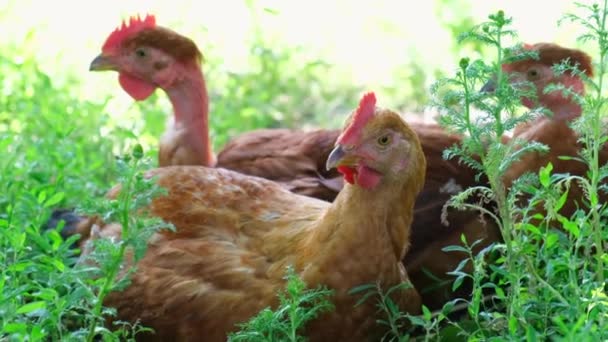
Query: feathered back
x: 145, y: 32
x: 550, y: 54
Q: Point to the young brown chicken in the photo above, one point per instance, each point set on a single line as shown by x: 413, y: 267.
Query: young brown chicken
x: 554, y: 131
x: 235, y: 235
x: 148, y: 56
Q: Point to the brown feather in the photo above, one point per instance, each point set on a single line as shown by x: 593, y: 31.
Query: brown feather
x: 180, y: 47
x: 291, y: 157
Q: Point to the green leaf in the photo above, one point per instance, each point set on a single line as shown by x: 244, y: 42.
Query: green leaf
x: 138, y: 152
x: 56, y: 198
x: 59, y: 265
x: 552, y: 238
x: 544, y: 175
x: 417, y: 321
x: 55, y: 238
x: 13, y: 328
x: 37, y: 334
x: 570, y: 226
x: 457, y: 283
x: 455, y: 248
x: 361, y: 288
x: 426, y: 313
x: 561, y: 201
x: 41, y: 196
x: 33, y: 306
x: 531, y: 228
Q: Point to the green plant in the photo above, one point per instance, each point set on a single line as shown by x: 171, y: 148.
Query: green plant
x: 110, y: 256
x: 548, y: 281
x: 297, y: 306
x: 55, y: 155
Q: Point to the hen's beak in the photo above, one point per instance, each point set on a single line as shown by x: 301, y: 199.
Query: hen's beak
x: 103, y: 63
x: 339, y: 157
x: 489, y: 87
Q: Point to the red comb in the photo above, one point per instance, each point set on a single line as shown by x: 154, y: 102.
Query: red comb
x: 527, y: 46
x: 365, y: 111
x: 135, y: 24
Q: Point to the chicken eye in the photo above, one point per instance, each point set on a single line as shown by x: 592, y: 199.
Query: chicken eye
x: 533, y: 74
x: 140, y: 53
x: 384, y: 140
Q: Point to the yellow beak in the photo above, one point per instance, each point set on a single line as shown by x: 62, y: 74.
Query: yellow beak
x: 103, y: 63
x: 339, y: 157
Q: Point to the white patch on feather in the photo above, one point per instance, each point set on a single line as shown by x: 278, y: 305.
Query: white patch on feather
x: 247, y: 270
x: 172, y: 132
x: 269, y: 216
x: 451, y: 187
x: 232, y: 188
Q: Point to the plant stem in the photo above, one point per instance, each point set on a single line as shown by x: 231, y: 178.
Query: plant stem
x: 118, y: 258
x: 596, y: 139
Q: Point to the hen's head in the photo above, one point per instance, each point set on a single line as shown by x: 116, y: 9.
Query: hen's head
x: 539, y: 73
x: 377, y: 147
x: 146, y: 56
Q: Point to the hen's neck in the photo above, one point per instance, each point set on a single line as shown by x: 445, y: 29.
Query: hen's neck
x: 563, y: 106
x: 191, y: 112
x: 566, y: 111
x: 364, y: 222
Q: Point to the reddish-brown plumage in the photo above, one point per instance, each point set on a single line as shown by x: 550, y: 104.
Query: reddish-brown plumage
x: 293, y: 158
x: 236, y: 234
x: 553, y: 131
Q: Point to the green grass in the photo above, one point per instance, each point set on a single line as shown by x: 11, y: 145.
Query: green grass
x: 62, y: 151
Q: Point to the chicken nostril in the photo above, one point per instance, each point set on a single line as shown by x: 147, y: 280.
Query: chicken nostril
x: 160, y: 65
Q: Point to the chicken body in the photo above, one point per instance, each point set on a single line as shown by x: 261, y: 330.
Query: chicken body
x: 553, y: 131
x: 236, y: 234
x: 293, y: 158
x: 235, y: 237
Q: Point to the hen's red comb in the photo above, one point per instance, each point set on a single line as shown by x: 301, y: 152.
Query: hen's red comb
x: 365, y: 111
x: 527, y: 46
x: 135, y: 24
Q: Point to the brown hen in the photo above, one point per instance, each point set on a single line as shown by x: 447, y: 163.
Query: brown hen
x: 553, y: 131
x: 235, y: 235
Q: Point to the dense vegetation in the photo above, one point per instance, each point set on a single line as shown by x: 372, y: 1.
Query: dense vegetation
x: 61, y: 151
